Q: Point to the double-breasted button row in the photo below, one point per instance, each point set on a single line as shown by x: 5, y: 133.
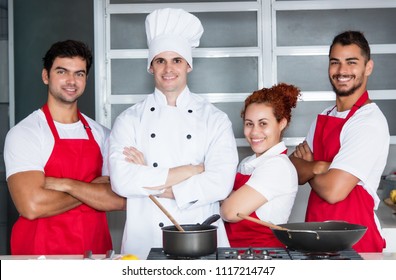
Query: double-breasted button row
x: 152, y: 109
x: 153, y: 135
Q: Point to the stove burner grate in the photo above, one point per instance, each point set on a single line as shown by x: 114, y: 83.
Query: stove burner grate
x: 223, y: 253
x: 348, y: 254
x: 159, y: 254
x: 252, y: 254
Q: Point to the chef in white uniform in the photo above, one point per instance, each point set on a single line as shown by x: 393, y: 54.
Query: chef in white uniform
x: 174, y: 144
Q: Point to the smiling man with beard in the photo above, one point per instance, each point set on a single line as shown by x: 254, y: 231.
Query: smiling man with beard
x: 346, y: 149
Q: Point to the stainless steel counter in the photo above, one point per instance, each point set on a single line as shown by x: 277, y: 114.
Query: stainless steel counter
x: 379, y: 256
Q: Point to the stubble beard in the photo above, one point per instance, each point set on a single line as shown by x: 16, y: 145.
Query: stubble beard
x: 347, y: 92
x: 65, y: 100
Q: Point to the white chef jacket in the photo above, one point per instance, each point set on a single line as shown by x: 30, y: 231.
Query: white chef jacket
x: 192, y: 132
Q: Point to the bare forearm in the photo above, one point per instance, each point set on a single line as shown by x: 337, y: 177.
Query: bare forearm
x: 304, y: 169
x: 334, y: 185
x: 33, y: 201
x: 46, y: 205
x: 97, y: 195
x: 51, y: 204
x: 320, y: 185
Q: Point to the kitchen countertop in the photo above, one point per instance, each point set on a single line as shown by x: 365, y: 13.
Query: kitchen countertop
x: 365, y: 256
x: 53, y: 257
x: 379, y: 256
x: 385, y: 214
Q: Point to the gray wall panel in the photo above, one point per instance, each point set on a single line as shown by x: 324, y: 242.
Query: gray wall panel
x: 38, y: 24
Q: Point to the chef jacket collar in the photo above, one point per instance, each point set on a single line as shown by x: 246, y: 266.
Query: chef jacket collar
x: 182, y: 100
x: 256, y: 161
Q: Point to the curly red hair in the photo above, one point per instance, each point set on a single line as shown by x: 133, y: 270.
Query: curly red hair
x: 281, y: 97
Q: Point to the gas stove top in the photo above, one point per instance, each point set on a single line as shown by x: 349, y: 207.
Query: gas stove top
x: 261, y: 254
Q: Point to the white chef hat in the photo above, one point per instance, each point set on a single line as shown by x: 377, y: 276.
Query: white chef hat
x: 172, y: 30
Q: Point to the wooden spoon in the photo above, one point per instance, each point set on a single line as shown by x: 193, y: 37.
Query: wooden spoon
x: 166, y: 212
x: 267, y: 224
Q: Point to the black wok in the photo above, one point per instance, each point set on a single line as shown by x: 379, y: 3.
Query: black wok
x: 328, y: 236
x: 196, y: 240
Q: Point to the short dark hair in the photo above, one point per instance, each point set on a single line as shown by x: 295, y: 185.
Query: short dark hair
x: 353, y: 37
x: 68, y: 48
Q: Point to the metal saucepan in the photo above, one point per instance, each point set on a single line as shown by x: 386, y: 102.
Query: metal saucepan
x: 328, y: 236
x: 196, y: 240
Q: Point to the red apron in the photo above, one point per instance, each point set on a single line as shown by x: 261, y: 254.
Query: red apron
x: 79, y: 229
x: 246, y: 233
x: 357, y: 207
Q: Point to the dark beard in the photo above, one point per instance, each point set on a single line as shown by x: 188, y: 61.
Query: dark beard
x: 65, y: 101
x: 345, y: 92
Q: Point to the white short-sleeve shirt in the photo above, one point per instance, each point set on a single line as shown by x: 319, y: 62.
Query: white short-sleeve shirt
x: 275, y: 177
x: 29, y: 144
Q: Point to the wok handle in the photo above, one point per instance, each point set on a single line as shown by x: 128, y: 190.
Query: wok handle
x: 304, y: 231
x: 267, y: 224
x: 166, y: 212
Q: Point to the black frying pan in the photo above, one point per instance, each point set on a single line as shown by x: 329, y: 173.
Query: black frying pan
x: 328, y: 236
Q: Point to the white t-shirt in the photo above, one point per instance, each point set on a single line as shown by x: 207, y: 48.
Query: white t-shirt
x: 364, y: 146
x: 29, y: 144
x: 275, y: 177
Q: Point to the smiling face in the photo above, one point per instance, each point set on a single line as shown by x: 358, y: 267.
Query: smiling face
x: 348, y: 69
x: 261, y: 129
x: 170, y: 72
x: 66, y: 80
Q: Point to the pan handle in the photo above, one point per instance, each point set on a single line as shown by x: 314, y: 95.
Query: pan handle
x: 258, y: 221
x: 335, y: 221
x: 211, y: 219
x: 291, y: 231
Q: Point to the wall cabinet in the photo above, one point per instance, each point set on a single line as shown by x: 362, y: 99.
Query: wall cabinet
x: 247, y: 45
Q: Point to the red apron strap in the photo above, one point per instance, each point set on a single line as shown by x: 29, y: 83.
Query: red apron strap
x: 86, y: 125
x: 362, y: 99
x: 50, y: 121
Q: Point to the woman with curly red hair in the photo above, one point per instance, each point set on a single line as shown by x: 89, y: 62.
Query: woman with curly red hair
x: 266, y: 183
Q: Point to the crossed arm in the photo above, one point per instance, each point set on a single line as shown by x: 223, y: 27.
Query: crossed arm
x: 37, y: 196
x: 332, y: 185
x: 175, y: 175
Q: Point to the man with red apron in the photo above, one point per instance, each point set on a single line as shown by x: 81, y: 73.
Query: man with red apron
x: 326, y: 145
x: 54, y: 162
x: 79, y: 229
x: 346, y: 150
